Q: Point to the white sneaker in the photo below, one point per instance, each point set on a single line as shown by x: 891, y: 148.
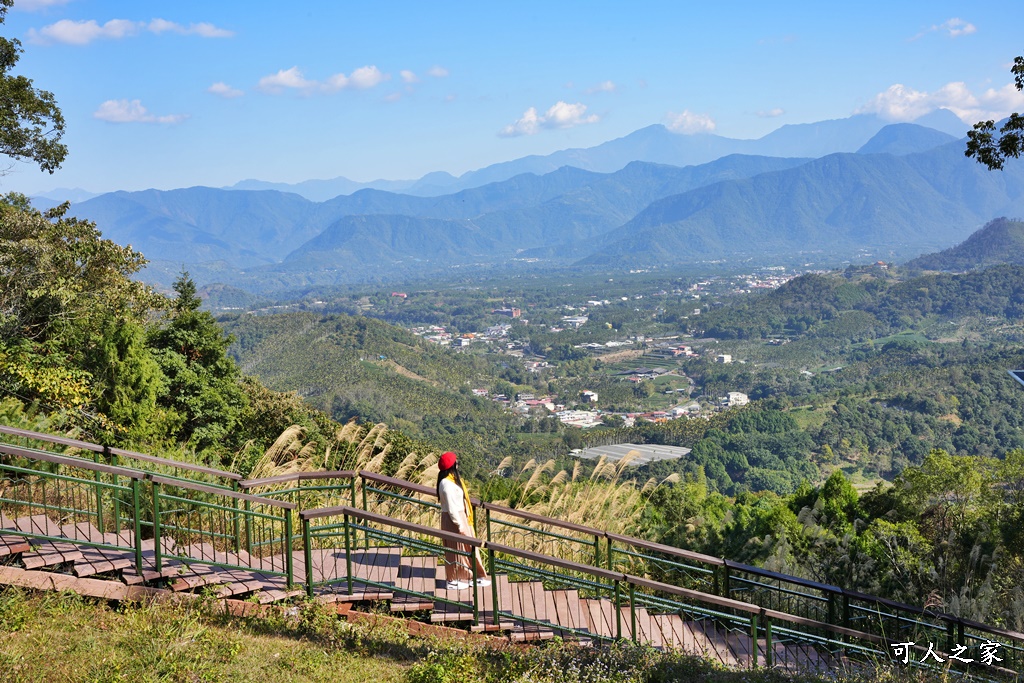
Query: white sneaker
x: 483, y: 583
x: 458, y: 585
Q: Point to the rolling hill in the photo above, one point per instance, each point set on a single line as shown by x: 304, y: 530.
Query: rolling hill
x: 1001, y: 241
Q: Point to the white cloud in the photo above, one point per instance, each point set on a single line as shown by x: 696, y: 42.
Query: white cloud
x: 207, y: 30
x: 771, y: 113
x: 437, y: 71
x: 604, y: 86
x: 408, y: 76
x: 224, y: 90
x: 954, y: 28
x: 900, y: 103
x: 689, y: 123
x: 366, y: 77
x: 285, y: 79
x: 34, y: 5
x: 132, y: 111
x: 363, y: 78
x: 83, y: 32
x: 560, y: 115
x: 393, y: 97
x: 72, y: 32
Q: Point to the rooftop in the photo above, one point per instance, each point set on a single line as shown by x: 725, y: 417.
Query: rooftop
x: 644, y: 453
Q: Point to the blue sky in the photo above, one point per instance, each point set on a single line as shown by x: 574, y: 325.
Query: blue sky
x: 209, y: 93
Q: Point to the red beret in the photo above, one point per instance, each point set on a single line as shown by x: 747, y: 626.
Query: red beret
x: 447, y: 461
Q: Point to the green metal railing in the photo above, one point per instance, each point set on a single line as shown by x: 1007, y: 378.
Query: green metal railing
x: 95, y: 505
x: 158, y: 521
x: 130, y: 460
x: 197, y: 524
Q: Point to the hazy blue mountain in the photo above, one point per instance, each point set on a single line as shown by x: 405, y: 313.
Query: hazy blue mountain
x: 200, y: 224
x: 945, y: 121
x: 67, y: 194
x: 905, y: 138
x: 378, y: 242
x: 839, y: 203
x: 243, y: 228
x: 655, y: 144
x: 999, y: 241
x: 818, y: 139
x: 322, y: 190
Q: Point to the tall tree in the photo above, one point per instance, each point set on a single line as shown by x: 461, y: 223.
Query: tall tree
x: 993, y: 151
x: 31, y: 124
x: 202, y: 381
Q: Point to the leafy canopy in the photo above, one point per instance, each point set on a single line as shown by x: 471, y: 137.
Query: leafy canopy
x: 985, y: 146
x: 31, y: 124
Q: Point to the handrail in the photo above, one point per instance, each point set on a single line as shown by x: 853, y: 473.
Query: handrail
x: 307, y: 515
x: 501, y: 509
x: 70, y: 462
x: 667, y: 549
x: 556, y: 561
x: 296, y: 476
x: 96, y: 448
x: 193, y: 486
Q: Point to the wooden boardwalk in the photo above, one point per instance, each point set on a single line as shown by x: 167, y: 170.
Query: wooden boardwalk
x: 529, y: 611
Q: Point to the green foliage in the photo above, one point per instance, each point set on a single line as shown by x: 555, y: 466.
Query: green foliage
x: 982, y: 143
x: 63, y: 290
x: 202, y: 381
x: 31, y: 124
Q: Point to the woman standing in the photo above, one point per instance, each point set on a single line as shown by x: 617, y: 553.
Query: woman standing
x: 457, y: 517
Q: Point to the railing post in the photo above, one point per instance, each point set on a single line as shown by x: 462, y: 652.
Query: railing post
x: 352, y: 489
x: 831, y: 597
x: 618, y: 610
x: 494, y: 587
x: 726, y: 588
x: 769, y: 653
x: 487, y: 520
x: 960, y: 630
x: 597, y: 550
x: 753, y: 641
x: 157, y: 550
x: 307, y: 548
x: 366, y: 534
x: 112, y: 460
x: 846, y: 610
x: 237, y: 526
x: 476, y: 589
x: 632, y: 613
x: 99, y: 496
x: 289, y: 559
x: 348, y: 555
x: 137, y: 519
x: 611, y: 552
x: 248, y: 527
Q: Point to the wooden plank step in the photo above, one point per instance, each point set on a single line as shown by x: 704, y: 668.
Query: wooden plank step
x: 716, y: 644
x: 598, y: 613
x: 97, y: 560
x: 13, y: 545
x: 417, y: 573
x: 567, y: 610
x: 45, y: 553
x: 171, y: 568
x: 647, y: 634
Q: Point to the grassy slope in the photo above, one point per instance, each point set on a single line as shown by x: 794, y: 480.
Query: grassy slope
x: 60, y: 637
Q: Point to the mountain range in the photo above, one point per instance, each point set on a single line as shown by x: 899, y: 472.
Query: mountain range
x: 897, y: 191
x: 655, y: 143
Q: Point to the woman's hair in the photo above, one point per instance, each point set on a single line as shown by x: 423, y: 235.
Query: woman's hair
x: 442, y: 474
